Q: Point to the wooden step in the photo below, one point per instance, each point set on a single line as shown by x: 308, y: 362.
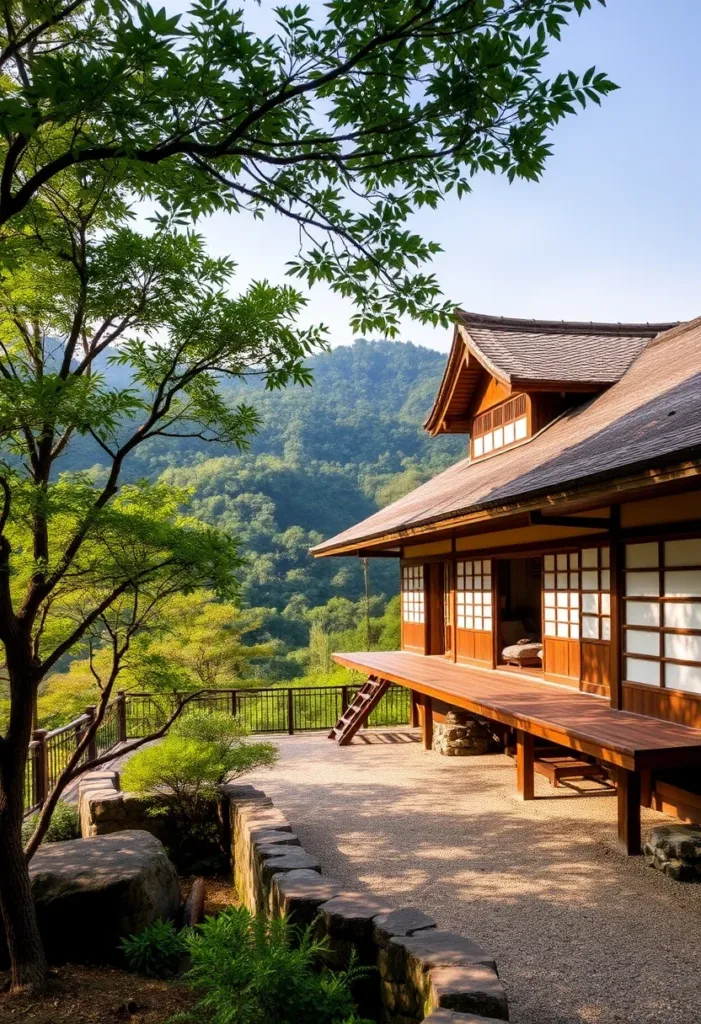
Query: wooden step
x: 365, y: 700
x: 556, y: 768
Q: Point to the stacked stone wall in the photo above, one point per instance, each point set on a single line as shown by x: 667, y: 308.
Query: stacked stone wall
x: 416, y: 972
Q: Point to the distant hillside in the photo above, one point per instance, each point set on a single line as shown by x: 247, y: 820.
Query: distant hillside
x: 325, y: 457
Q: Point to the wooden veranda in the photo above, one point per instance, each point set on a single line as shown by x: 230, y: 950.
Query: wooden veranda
x: 632, y: 744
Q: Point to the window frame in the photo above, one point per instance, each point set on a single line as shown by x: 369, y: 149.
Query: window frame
x: 661, y: 600
x: 464, y: 576
x: 493, y: 419
x: 416, y: 594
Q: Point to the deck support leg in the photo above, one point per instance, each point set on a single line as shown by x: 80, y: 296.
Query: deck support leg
x: 525, y: 771
x: 628, y: 786
x: 427, y: 723
x: 414, y: 720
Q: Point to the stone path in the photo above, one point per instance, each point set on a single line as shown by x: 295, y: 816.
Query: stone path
x: 581, y: 935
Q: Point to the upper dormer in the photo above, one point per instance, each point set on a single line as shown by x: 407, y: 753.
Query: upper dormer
x: 506, y: 379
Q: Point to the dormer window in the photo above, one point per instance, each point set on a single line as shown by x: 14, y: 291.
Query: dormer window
x: 500, y: 427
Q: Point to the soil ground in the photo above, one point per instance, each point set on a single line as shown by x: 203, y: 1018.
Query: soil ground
x: 96, y: 995
x: 105, y: 995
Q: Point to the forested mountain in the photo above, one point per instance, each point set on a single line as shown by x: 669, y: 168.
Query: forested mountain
x: 325, y: 456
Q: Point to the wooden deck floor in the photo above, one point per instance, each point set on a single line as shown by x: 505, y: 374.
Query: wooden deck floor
x: 555, y: 713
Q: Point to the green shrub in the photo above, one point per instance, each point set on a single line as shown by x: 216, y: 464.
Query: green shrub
x: 252, y: 971
x: 202, y: 750
x: 65, y: 824
x: 157, y: 951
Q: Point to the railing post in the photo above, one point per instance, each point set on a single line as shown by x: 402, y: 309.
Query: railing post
x: 91, y: 752
x: 41, y: 767
x: 234, y: 703
x: 290, y: 712
x: 344, y: 699
x: 122, y: 717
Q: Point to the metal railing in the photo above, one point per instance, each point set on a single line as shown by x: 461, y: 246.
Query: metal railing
x: 134, y: 715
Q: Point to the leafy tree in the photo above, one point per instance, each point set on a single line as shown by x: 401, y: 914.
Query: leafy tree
x: 87, y: 559
x: 345, y: 126
x: 197, y: 643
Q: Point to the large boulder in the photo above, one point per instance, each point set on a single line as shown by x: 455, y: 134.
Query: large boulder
x: 90, y: 893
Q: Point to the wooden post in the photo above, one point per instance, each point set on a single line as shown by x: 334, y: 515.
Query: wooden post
x: 344, y: 699
x: 414, y: 719
x: 427, y: 722
x: 628, y: 788
x: 122, y: 716
x: 234, y: 704
x: 525, y: 773
x: 91, y: 752
x: 41, y: 767
x: 290, y: 712
x: 617, y: 605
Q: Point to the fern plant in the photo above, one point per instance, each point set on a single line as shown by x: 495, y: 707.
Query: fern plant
x: 253, y: 971
x: 157, y: 951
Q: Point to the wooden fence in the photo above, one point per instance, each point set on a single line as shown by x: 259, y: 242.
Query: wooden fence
x: 133, y: 715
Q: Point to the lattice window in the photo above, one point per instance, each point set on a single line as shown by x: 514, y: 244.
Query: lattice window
x: 577, y: 595
x: 499, y: 427
x: 474, y: 594
x: 662, y: 617
x: 413, y: 593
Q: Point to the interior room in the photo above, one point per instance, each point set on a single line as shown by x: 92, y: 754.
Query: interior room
x: 519, y: 619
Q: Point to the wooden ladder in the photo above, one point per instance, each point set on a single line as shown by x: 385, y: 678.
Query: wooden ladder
x: 366, y: 699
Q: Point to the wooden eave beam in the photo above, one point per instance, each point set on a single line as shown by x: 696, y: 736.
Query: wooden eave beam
x: 536, y: 518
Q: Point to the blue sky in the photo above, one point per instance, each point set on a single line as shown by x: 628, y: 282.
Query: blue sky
x: 611, y: 232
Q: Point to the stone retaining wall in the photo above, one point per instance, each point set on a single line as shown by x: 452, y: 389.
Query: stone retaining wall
x: 418, y: 972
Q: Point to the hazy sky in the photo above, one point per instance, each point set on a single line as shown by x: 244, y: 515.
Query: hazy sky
x: 611, y: 232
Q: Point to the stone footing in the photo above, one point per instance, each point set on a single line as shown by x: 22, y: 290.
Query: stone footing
x: 676, y: 851
x: 462, y: 735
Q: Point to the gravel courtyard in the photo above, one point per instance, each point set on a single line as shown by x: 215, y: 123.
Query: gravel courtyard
x: 581, y: 935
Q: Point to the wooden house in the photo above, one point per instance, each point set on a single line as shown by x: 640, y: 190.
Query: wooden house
x: 574, y: 523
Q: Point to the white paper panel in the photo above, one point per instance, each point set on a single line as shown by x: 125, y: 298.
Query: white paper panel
x: 521, y: 428
x: 549, y: 614
x: 605, y: 628
x: 574, y: 599
x: 499, y: 437
x: 683, y: 647
x: 549, y: 562
x: 590, y: 580
x: 549, y: 581
x: 549, y: 599
x: 639, y: 671
x: 590, y: 558
x: 605, y: 557
x: 683, y: 552
x: 509, y: 434
x: 683, y: 583
x: 642, y: 584
x: 562, y: 599
x: 488, y: 443
x: 590, y: 627
x: 590, y: 603
x: 683, y: 677
x: 642, y: 556
x: 605, y: 579
x: 549, y: 629
x: 574, y: 631
x: 642, y: 613
x: 562, y: 581
x: 574, y: 560
x: 640, y: 642
x: 562, y: 561
x: 683, y: 615
x: 562, y: 629
x: 478, y: 446
x: 606, y: 604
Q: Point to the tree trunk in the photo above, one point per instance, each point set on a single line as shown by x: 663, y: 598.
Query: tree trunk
x: 24, y: 945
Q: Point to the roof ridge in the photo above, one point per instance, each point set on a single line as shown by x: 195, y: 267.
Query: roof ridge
x: 675, y: 331
x: 564, y: 326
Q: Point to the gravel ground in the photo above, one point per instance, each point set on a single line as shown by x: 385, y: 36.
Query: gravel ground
x: 581, y: 934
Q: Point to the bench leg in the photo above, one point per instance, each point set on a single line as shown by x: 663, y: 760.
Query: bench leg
x: 427, y: 723
x: 628, y: 787
x: 525, y: 773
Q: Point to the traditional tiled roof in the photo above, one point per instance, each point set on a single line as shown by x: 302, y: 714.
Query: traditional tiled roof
x: 535, y: 354
x: 651, y: 417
